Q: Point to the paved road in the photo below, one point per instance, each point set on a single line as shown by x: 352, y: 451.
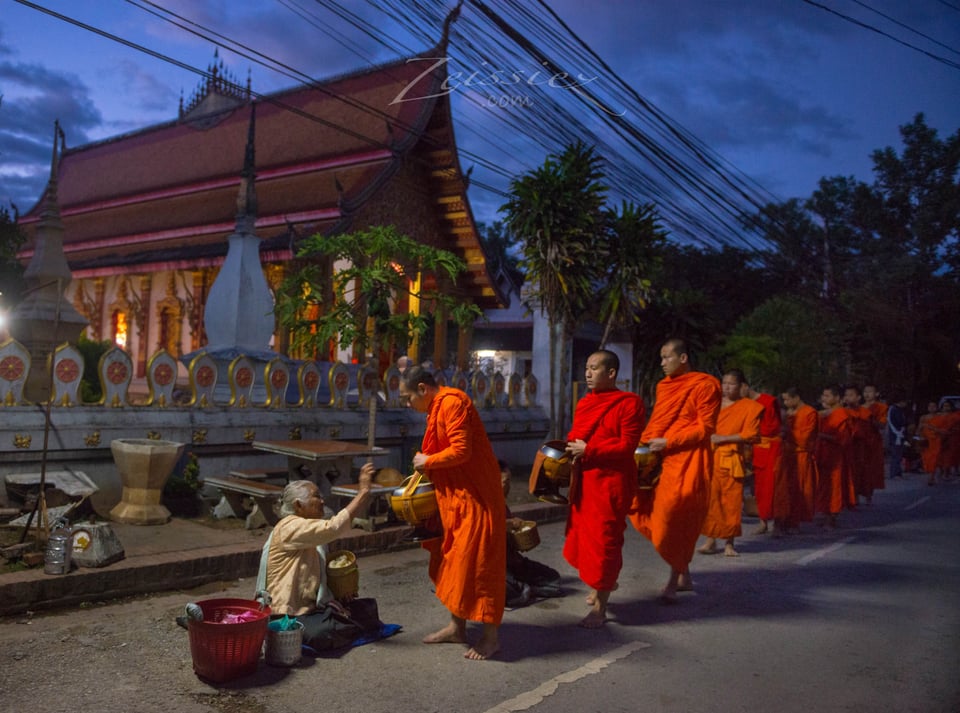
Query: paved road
x: 863, y: 618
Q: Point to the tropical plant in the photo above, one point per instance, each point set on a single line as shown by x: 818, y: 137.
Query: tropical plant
x: 557, y: 211
x: 377, y: 269
x: 635, y: 243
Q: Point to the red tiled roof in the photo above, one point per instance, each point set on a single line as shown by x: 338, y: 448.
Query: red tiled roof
x: 171, y: 189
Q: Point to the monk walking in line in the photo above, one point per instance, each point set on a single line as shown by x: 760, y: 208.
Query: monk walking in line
x: 606, y: 430
x: 683, y: 419
x: 767, y: 462
x: 876, y: 476
x: 859, y: 459
x: 799, y: 446
x: 468, y: 561
x: 738, y: 423
x: 834, y: 489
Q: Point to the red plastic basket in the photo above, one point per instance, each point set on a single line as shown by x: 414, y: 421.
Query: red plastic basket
x: 222, y: 652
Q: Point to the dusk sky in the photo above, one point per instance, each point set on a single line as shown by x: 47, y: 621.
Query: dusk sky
x: 785, y: 91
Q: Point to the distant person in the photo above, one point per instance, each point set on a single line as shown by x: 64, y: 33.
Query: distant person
x: 605, y: 433
x: 683, y: 419
x: 875, y: 468
x: 773, y: 501
x: 799, y: 449
x: 404, y: 363
x: 835, y: 489
x: 468, y: 560
x: 896, y: 433
x: 738, y: 424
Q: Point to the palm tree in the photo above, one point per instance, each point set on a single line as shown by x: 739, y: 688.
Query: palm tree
x: 635, y: 245
x: 557, y: 210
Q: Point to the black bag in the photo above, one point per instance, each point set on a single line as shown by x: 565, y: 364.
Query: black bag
x: 328, y: 629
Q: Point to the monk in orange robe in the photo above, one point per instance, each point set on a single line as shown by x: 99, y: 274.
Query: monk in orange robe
x: 738, y: 423
x: 799, y: 444
x: 876, y: 464
x: 468, y: 561
x: 858, y: 458
x: 606, y: 430
x: 768, y: 464
x: 683, y: 419
x: 936, y: 428
x: 835, y: 487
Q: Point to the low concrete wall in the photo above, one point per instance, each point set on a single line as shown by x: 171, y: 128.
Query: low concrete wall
x: 79, y: 437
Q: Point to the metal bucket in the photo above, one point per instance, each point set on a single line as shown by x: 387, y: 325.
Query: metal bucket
x: 56, y: 559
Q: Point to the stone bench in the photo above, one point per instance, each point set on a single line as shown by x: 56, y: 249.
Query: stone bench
x: 260, y: 473
x: 265, y: 497
x: 376, y: 513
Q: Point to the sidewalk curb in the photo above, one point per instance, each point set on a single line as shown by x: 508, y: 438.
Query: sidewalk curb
x: 34, y: 590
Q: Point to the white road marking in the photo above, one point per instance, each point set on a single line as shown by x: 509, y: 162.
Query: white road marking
x: 917, y: 503
x: 824, y: 551
x: 531, y: 698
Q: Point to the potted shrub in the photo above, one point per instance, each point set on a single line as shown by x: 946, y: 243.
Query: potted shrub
x: 181, y: 492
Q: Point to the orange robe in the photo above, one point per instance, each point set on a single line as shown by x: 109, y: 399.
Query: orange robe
x: 468, y: 563
x: 858, y: 455
x: 768, y: 462
x: 800, y: 465
x: 876, y: 462
x: 671, y: 515
x: 936, y: 429
x: 611, y: 423
x: 741, y: 418
x: 835, y: 488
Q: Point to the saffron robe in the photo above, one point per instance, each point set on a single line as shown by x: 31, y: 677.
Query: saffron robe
x: 768, y: 460
x: 835, y: 487
x: 876, y: 462
x: 740, y: 418
x: 611, y: 423
x: 800, y: 465
x: 671, y: 515
x: 936, y: 429
x: 858, y: 456
x: 468, y: 563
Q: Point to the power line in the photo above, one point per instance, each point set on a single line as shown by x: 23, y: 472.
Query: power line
x: 931, y: 55
x: 906, y: 27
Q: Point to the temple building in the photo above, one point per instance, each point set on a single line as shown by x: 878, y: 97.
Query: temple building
x: 146, y: 215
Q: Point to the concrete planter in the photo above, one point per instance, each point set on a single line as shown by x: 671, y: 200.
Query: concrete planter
x: 144, y: 466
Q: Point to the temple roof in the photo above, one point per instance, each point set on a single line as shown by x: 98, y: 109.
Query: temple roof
x: 166, y: 196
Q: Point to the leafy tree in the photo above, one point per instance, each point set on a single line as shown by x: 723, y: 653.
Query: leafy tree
x: 635, y: 244
x: 356, y: 308
x: 11, y: 271
x: 557, y: 211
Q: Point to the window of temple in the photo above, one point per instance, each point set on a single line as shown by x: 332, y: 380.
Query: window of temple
x: 119, y: 328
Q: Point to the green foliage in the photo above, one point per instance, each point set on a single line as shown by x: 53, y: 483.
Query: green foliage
x: 11, y: 271
x: 357, y: 306
x: 557, y: 210
x: 91, y: 390
x: 187, y: 481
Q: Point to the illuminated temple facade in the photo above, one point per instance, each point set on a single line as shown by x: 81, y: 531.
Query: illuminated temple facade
x: 146, y: 215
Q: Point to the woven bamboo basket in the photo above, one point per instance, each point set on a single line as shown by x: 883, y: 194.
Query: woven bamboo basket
x: 343, y: 579
x: 526, y: 537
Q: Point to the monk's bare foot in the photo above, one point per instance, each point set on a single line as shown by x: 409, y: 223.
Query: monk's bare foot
x: 728, y: 551
x: 761, y: 528
x: 684, y: 583
x: 709, y: 548
x: 483, y: 649
x: 668, y: 595
x: 449, y: 634
x: 594, y: 620
x: 592, y: 597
